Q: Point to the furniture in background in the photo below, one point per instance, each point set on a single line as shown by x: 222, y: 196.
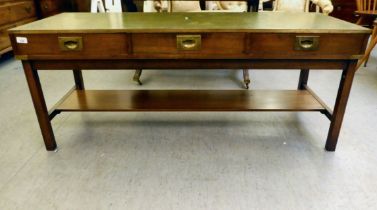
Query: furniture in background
x: 324, y: 6
x: 85, y: 5
x: 105, y: 6
x: 309, y: 41
x: 14, y: 13
x: 46, y: 8
x: 345, y: 10
x: 367, y: 9
x: 17, y: 12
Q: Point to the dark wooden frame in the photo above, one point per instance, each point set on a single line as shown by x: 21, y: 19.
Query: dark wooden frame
x: 45, y: 117
x: 249, y: 46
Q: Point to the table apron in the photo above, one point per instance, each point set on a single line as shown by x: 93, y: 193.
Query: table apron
x: 188, y: 64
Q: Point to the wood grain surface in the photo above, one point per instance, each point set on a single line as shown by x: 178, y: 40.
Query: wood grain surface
x: 190, y: 100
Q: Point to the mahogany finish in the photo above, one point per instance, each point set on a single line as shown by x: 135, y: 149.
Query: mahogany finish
x: 190, y: 100
x: 340, y: 105
x: 214, y: 46
x: 187, y: 64
x: 154, y: 41
x: 96, y: 46
x: 39, y: 105
x: 330, y: 46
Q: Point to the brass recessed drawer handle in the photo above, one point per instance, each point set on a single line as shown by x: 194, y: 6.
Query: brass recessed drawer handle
x: 189, y: 42
x: 70, y: 43
x: 307, y: 43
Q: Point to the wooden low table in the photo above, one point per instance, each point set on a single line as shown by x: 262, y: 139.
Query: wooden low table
x: 189, y: 41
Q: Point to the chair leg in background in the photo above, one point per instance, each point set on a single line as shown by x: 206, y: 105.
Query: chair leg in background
x: 374, y: 33
x: 137, y: 76
x: 246, y: 78
x: 371, y: 45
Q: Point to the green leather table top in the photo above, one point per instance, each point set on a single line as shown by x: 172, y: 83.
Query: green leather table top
x: 271, y: 22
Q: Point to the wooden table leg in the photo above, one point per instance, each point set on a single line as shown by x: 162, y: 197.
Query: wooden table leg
x: 39, y: 105
x: 340, y: 105
x: 303, y: 80
x: 79, y: 81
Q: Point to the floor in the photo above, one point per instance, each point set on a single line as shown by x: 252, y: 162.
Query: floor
x: 212, y: 161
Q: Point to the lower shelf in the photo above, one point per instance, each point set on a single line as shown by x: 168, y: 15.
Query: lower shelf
x: 189, y: 100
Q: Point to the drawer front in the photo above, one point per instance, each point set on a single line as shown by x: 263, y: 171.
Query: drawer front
x: 72, y: 46
x: 12, y: 12
x: 199, y: 45
x: 285, y: 46
x: 190, y: 46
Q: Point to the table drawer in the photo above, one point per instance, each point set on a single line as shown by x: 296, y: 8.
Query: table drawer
x: 192, y: 45
x: 287, y: 46
x: 12, y: 12
x: 72, y: 46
